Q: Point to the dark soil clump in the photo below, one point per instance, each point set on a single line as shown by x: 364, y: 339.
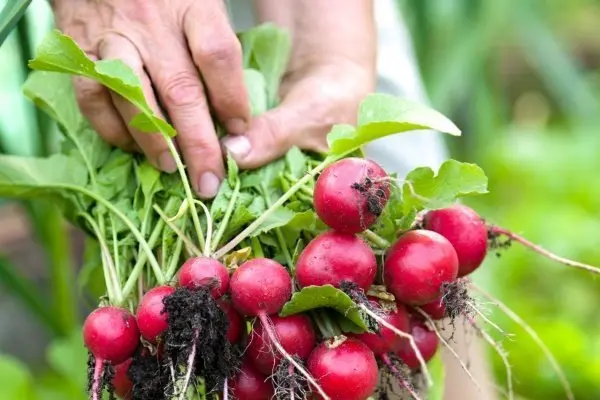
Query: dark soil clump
x: 456, y: 298
x: 359, y: 297
x: 150, y: 377
x: 497, y: 243
x: 195, y: 320
x: 288, y: 382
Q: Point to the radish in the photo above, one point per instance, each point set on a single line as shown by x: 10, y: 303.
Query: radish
x: 151, y: 315
x: 249, y: 384
x: 350, y: 194
x: 334, y: 257
x: 467, y: 232
x: 111, y: 334
x: 121, y: 382
x: 296, y: 335
x: 417, y: 265
x: 427, y: 342
x: 386, y: 341
x: 259, y: 288
x: 199, y: 272
x: 435, y: 309
x: 345, y: 368
x: 234, y: 331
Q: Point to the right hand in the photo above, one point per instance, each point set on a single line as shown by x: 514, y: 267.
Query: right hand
x: 168, y: 44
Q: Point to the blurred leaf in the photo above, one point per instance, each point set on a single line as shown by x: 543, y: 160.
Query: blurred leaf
x: 10, y: 15
x: 68, y: 357
x: 438, y: 374
x: 16, y: 381
x: 257, y: 91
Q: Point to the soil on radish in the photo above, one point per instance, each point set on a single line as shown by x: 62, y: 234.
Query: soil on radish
x: 394, y: 376
x: 359, y: 297
x: 456, y: 298
x: 375, y: 195
x: 150, y: 376
x: 497, y: 242
x: 289, y: 384
x: 105, y: 380
x: 195, y: 314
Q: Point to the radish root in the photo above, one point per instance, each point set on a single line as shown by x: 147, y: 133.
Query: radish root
x: 405, y: 335
x: 533, y: 334
x: 398, y: 375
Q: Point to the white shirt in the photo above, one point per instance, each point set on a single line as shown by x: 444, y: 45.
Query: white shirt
x: 398, y: 75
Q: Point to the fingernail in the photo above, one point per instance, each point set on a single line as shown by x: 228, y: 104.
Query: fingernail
x: 166, y: 162
x: 239, y: 146
x: 237, y: 126
x: 208, y: 185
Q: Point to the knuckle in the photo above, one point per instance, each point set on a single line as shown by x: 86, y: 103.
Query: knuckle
x: 182, y: 90
x: 219, y: 53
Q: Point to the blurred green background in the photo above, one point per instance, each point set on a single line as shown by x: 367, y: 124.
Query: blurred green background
x: 520, y: 77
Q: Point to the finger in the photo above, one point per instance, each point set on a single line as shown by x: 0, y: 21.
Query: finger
x: 218, y: 54
x: 271, y: 134
x: 153, y: 145
x: 180, y: 89
x: 95, y: 104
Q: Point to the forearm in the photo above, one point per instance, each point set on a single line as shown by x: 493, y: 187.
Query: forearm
x: 325, y: 29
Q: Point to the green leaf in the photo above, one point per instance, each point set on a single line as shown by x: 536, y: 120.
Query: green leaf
x: 232, y: 170
x: 296, y: 162
x: 59, y: 53
x: 423, y: 189
x: 53, y: 93
x: 90, y: 275
x: 26, y: 177
x: 312, y: 297
x: 16, y: 381
x: 257, y: 91
x: 382, y: 115
x: 438, y: 375
x: 266, y: 48
x: 66, y: 356
x: 116, y: 176
x: 11, y: 14
x: 266, y: 176
x: 281, y: 217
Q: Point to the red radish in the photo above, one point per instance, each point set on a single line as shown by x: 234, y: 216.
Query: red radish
x: 249, y: 384
x: 199, y: 272
x: 386, y: 341
x: 417, y: 266
x: 236, y: 323
x: 260, y: 286
x: 151, y: 315
x: 121, y: 382
x: 296, y: 335
x: 345, y: 368
x: 435, y: 309
x: 111, y: 334
x: 467, y: 232
x: 350, y: 194
x: 427, y: 342
x: 333, y: 257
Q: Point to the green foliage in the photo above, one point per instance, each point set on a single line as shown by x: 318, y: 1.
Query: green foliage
x: 10, y: 15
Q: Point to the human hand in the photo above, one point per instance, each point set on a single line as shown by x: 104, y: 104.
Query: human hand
x: 332, y: 68
x: 167, y: 44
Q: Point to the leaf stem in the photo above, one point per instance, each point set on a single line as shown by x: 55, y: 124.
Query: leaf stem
x: 278, y: 234
x: 376, y: 239
x: 227, y: 216
x: 174, y: 260
x: 257, y: 222
x: 209, y: 225
x: 188, y: 191
x: 256, y: 247
x: 178, y: 231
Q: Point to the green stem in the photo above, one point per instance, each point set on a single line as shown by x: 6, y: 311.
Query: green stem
x: 329, y: 324
x: 278, y: 234
x: 141, y: 260
x: 209, y: 225
x: 188, y: 192
x: 140, y: 238
x: 227, y: 216
x: 115, y: 250
x: 256, y: 247
x: 113, y: 288
x: 172, y: 268
x: 376, y: 239
x: 325, y: 332
x: 257, y: 222
x: 178, y: 231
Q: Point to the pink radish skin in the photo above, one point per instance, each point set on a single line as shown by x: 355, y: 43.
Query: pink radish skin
x: 296, y: 335
x: 341, y: 204
x: 151, y: 315
x: 426, y: 341
x: 467, y: 232
x: 111, y: 334
x: 333, y: 257
x: 436, y: 309
x: 234, y: 332
x: 345, y: 368
x: 387, y: 341
x: 417, y: 266
x: 249, y: 384
x: 199, y: 272
x: 260, y: 286
x: 121, y: 382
